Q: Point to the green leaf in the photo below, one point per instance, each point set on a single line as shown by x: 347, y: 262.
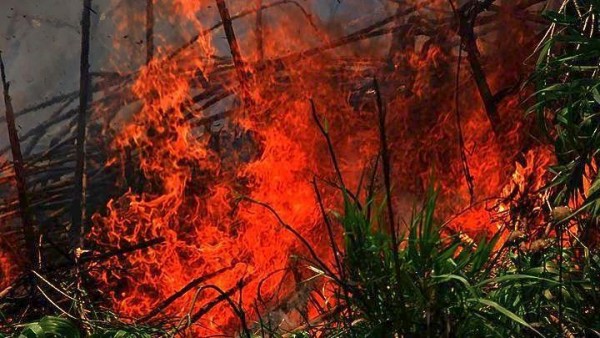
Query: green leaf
x: 514, y: 277
x: 51, y: 327
x: 511, y: 315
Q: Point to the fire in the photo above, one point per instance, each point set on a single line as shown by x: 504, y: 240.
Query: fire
x: 10, y: 262
x: 198, y: 180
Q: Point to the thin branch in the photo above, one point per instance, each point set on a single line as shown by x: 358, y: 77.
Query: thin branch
x: 149, y: 30
x: 386, y: 165
x: 258, y: 31
x: 461, y: 139
x: 238, y: 61
x: 371, y: 191
x: 78, y: 206
x: 325, y: 133
x: 19, y: 169
x: 45, y: 104
x: 239, y: 312
x: 306, y: 244
x: 466, y: 15
x: 240, y: 15
x: 191, y: 285
x: 223, y: 296
x: 332, y: 154
x: 334, y: 247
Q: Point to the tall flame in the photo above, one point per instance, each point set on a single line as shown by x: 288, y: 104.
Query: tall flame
x: 271, y: 149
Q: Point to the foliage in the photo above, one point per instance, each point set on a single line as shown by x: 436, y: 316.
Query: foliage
x: 446, y: 287
x: 58, y: 327
x: 567, y: 99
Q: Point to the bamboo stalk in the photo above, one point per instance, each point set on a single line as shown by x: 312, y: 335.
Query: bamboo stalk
x: 20, y: 175
x: 78, y: 207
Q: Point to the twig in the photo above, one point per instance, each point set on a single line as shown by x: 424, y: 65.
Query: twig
x: 191, y: 285
x: 55, y: 304
x: 386, y: 165
x: 223, y: 296
x: 240, y: 15
x: 332, y: 154
x: 334, y: 247
x: 258, y: 31
x: 371, y: 190
x: 45, y: 104
x: 34, y: 141
x: 325, y: 133
x: 306, y: 244
x: 53, y: 286
x: 149, y: 30
x: 20, y: 175
x: 135, y: 247
x: 461, y: 139
x: 238, y: 61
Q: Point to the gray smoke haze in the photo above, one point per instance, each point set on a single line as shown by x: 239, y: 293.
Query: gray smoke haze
x: 40, y: 41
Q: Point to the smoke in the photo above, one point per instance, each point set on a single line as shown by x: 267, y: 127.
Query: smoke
x: 40, y: 42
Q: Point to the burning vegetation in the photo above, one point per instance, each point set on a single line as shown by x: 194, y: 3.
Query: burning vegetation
x: 266, y: 176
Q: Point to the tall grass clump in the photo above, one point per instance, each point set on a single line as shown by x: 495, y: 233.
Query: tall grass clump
x: 445, y: 286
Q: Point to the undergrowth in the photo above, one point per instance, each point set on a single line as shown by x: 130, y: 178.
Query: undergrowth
x: 434, y: 285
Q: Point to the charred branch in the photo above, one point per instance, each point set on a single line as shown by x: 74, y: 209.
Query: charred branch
x: 461, y: 140
x: 190, y: 286
x: 386, y: 165
x: 258, y: 31
x: 78, y: 207
x: 20, y: 175
x: 225, y: 296
x: 240, y: 15
x: 467, y: 15
x: 238, y: 61
x: 149, y: 30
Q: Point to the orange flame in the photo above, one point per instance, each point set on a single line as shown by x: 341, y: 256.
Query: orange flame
x: 271, y: 150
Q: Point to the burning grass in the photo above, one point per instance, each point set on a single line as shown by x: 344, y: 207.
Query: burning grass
x: 271, y: 191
